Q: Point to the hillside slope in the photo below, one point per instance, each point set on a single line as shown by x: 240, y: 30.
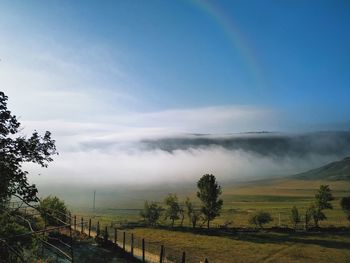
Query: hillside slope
x: 339, y: 170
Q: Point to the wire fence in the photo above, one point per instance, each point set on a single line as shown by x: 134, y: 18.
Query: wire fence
x: 50, y: 245
x: 137, y: 246
x: 155, y: 251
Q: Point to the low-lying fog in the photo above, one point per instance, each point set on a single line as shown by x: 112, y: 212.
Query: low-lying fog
x: 112, y: 163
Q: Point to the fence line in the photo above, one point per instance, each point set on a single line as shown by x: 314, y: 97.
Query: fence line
x: 138, y: 247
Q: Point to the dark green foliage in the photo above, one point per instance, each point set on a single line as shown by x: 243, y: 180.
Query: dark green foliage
x: 322, y: 201
x: 295, y: 217
x: 308, y: 216
x: 15, y: 150
x: 151, y: 213
x: 209, y: 192
x: 173, y: 209
x: 345, y: 205
x: 260, y: 218
x: 316, y: 214
x: 10, y: 227
x: 323, y: 197
x: 53, y: 210
x: 192, y: 213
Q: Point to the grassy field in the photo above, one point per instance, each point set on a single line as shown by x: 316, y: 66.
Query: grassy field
x: 254, y: 247
x: 277, y: 197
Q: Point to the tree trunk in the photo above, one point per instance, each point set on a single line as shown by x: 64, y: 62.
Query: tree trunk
x: 182, y: 220
x: 208, y: 224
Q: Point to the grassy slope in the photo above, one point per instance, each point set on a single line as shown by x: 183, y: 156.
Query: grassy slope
x: 339, y: 170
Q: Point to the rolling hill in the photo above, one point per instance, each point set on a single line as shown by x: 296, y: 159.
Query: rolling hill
x: 339, y: 170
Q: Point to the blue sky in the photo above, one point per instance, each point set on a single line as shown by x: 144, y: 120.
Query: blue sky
x: 112, y: 72
x: 291, y: 58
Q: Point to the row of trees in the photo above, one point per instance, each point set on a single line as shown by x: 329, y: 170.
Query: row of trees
x: 208, y: 193
x: 315, y: 212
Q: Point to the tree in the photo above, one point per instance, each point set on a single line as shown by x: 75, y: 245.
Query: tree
x: 323, y: 198
x: 345, y: 205
x: 209, y: 192
x: 17, y: 149
x: 151, y: 213
x: 295, y: 217
x: 192, y: 213
x: 182, y: 215
x: 308, y: 216
x: 173, y: 208
x: 54, y: 210
x: 260, y: 218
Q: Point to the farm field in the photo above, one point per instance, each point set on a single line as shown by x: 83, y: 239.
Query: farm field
x: 277, y: 197
x: 254, y: 247
x: 274, y: 196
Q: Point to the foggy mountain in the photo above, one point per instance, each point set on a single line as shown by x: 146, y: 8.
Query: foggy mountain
x: 264, y: 143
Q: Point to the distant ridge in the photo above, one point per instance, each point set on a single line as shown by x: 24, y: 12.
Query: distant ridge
x: 339, y: 170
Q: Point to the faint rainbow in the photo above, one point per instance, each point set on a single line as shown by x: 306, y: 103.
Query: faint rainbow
x: 236, y: 37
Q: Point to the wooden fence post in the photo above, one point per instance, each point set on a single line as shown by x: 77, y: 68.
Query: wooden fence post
x: 98, y: 229
x: 183, y: 260
x: 90, y: 227
x: 71, y: 241
x: 143, y: 250
x: 161, y: 254
x: 75, y: 222
x: 82, y: 225
x: 115, y: 236
x: 106, y: 235
x: 132, y: 244
x: 124, y: 240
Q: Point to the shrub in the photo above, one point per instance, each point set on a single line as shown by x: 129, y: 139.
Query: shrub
x: 151, y: 213
x: 54, y: 210
x: 260, y: 218
x: 345, y: 204
x: 295, y: 217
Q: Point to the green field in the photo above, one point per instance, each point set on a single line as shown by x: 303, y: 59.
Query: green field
x: 277, y: 197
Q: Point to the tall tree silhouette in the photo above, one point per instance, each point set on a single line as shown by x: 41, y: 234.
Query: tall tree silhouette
x: 209, y: 192
x: 16, y: 149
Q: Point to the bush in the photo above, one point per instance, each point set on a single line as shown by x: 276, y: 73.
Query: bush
x: 260, y: 218
x: 345, y: 205
x: 151, y: 213
x: 54, y: 210
x: 10, y: 227
x: 295, y: 218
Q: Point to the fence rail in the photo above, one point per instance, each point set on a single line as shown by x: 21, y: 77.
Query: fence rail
x: 137, y: 246
x: 27, y: 214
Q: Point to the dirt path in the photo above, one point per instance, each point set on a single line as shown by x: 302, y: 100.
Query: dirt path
x: 150, y: 257
x: 277, y: 254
